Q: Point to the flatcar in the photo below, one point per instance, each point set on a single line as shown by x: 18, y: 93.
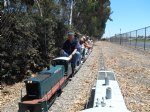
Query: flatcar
x: 42, y: 89
x: 106, y: 95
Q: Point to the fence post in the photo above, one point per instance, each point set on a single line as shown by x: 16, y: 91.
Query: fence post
x: 120, y: 39
x: 130, y: 38
x: 136, y: 39
x: 115, y: 38
x: 145, y: 39
x: 127, y: 39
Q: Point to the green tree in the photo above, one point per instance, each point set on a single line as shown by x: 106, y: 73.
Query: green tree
x: 31, y: 38
x: 90, y: 16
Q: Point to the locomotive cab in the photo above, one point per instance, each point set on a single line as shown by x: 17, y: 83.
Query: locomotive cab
x: 63, y: 61
x: 32, y: 89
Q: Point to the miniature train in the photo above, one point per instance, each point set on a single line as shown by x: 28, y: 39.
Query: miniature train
x: 42, y: 89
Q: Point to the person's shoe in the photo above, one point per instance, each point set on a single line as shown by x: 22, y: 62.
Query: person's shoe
x: 73, y: 68
x: 78, y: 63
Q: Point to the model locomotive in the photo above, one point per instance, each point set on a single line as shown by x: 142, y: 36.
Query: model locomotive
x: 42, y: 89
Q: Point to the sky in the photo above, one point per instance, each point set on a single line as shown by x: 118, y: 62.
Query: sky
x: 128, y: 15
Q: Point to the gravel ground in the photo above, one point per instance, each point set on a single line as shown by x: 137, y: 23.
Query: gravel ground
x: 9, y: 97
x: 132, y: 68
x: 74, y: 95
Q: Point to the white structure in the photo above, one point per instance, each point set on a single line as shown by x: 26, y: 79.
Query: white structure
x: 108, y: 97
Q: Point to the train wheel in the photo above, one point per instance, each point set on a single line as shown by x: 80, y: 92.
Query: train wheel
x: 59, y: 92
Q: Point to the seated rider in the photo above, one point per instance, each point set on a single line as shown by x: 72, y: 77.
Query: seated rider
x: 69, y: 49
x: 77, y: 42
x: 82, y: 48
x: 86, y: 45
x: 89, y: 42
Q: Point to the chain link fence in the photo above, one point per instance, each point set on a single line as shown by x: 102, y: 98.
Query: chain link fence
x: 139, y: 38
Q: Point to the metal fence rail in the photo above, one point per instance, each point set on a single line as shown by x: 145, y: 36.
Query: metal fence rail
x: 137, y: 38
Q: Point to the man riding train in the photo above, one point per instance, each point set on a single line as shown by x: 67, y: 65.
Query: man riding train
x: 73, y: 48
x: 70, y: 49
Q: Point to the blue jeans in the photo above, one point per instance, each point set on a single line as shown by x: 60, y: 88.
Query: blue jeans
x: 75, y: 58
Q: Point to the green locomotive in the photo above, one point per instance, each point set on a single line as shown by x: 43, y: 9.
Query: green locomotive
x: 41, y: 89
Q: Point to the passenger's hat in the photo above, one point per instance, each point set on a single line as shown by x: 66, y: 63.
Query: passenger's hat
x: 70, y: 33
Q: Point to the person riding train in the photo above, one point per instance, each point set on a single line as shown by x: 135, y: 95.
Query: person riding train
x: 85, y: 45
x: 70, y: 49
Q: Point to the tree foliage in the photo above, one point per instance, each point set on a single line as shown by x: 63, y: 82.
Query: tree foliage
x: 91, y: 16
x: 32, y: 31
